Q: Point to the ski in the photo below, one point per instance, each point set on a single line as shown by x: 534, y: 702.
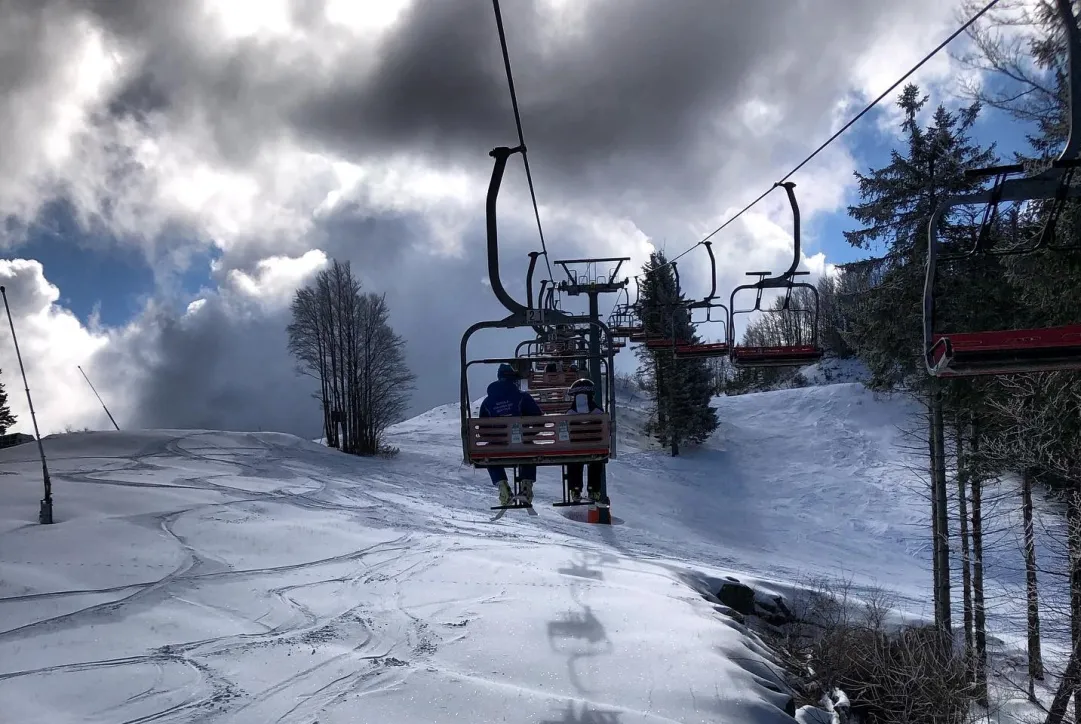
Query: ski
x: 517, y: 503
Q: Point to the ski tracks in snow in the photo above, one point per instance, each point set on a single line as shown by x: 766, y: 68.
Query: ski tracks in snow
x: 336, y: 628
x: 311, y: 631
x: 296, y: 585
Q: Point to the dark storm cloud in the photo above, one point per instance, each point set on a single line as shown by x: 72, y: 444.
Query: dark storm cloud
x: 641, y: 93
x: 630, y: 99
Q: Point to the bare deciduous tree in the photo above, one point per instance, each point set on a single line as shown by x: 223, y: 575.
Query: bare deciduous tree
x: 344, y: 339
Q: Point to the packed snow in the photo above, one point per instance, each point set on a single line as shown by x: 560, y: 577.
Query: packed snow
x: 243, y: 577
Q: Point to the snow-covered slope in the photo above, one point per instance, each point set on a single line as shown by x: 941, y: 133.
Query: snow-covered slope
x: 198, y: 576
x: 205, y: 576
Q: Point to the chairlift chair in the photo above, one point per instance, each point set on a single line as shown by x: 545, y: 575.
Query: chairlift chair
x: 706, y: 349
x: 549, y: 440
x: 715, y: 313
x: 788, y: 355
x: 996, y: 352
x: 659, y: 321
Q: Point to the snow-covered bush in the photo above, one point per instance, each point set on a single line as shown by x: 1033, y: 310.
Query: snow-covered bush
x: 890, y: 674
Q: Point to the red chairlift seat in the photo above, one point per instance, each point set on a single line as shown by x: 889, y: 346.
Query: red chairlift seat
x: 551, y: 380
x: 662, y: 342
x: 784, y: 356
x: 702, y: 350
x: 1007, y: 351
x: 549, y: 440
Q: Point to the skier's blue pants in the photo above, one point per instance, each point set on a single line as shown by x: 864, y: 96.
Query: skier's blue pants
x: 527, y: 472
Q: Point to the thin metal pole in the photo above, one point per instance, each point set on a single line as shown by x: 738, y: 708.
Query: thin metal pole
x: 45, y: 514
x: 99, y: 398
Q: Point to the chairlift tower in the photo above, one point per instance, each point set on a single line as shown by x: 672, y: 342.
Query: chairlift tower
x: 584, y: 277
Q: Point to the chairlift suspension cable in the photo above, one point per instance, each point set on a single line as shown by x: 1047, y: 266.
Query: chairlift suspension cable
x: 521, y: 136
x: 843, y: 128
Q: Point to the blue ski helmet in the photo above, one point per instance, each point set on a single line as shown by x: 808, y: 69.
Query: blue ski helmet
x: 507, y: 372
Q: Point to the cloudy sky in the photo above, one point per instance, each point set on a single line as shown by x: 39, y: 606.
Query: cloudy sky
x: 170, y: 172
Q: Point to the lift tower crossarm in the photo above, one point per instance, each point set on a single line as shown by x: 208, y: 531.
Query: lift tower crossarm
x: 574, y: 287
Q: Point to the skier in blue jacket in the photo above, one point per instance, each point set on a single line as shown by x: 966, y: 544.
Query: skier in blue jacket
x: 506, y: 399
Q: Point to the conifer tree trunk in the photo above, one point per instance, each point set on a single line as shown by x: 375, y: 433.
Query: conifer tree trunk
x: 942, y: 541
x: 661, y: 395
x: 936, y: 562
x: 1035, y: 658
x: 1057, y: 711
x: 674, y: 415
x: 962, y: 516
x: 979, y: 616
x: 1073, y: 524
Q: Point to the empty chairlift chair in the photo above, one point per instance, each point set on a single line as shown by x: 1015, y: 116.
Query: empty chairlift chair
x: 715, y: 313
x: 1005, y: 351
x: 802, y: 351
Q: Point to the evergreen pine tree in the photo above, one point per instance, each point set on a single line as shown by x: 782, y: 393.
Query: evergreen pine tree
x: 681, y: 389
x: 896, y: 204
x: 7, y: 419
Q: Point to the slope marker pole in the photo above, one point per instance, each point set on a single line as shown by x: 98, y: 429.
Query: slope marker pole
x: 45, y: 513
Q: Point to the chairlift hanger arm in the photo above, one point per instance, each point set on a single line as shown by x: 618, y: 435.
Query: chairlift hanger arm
x: 529, y: 279
x: 529, y: 286
x: 500, y: 154
x: 712, y: 271
x: 788, y: 187
x: 705, y: 302
x: 1073, y: 67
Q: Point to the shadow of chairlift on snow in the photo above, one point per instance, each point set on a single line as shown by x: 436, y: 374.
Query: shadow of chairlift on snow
x: 580, y: 566
x: 585, y: 714
x: 579, y: 635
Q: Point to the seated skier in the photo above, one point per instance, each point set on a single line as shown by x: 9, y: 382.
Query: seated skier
x: 505, y: 399
x: 583, y: 403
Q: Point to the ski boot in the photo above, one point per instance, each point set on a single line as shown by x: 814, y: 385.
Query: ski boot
x: 595, y: 495
x: 504, y: 492
x: 525, y: 487
x: 575, y: 495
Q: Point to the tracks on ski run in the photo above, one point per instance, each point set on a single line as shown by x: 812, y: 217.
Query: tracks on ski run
x: 363, y: 642
x: 291, y: 638
x: 240, y: 578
